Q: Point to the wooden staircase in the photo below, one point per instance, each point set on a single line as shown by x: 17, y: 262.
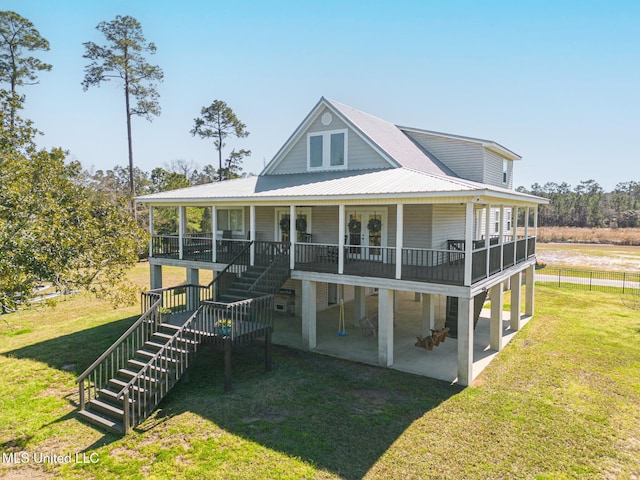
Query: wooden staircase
x: 452, y: 312
x: 122, y: 387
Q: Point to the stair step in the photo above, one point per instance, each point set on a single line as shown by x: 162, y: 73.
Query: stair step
x: 157, y: 346
x: 126, y: 373
x: 133, y: 363
x: 110, y: 396
x: 146, y: 355
x: 101, y: 421
x: 105, y: 409
x: 118, y: 383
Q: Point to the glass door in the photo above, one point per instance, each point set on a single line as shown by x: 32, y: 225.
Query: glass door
x: 365, y: 233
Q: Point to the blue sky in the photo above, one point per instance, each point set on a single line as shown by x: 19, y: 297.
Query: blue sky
x: 556, y: 82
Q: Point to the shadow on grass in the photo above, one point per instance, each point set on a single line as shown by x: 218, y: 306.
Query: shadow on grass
x: 336, y: 415
x: 76, y: 351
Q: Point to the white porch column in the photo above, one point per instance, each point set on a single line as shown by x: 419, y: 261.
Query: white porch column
x: 516, y: 283
x: 155, y: 274
x: 465, y: 340
x: 487, y: 235
x: 182, y: 220
x: 529, y: 291
x: 214, y: 233
x: 292, y: 237
x: 359, y: 305
x: 385, y: 327
x: 193, y: 278
x: 151, y: 232
x: 309, y: 290
x: 515, y: 234
x: 428, y: 320
x: 496, y: 341
x: 341, y: 217
x: 501, y: 240
x: 252, y: 234
x: 468, y: 243
x: 399, y: 238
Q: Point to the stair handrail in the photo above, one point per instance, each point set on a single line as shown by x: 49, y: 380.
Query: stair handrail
x: 275, y: 263
x: 124, y: 393
x: 156, y: 305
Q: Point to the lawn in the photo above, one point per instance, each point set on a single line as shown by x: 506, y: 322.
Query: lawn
x: 561, y: 401
x: 619, y: 258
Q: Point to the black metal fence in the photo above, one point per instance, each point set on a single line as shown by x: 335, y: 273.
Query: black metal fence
x: 595, y: 280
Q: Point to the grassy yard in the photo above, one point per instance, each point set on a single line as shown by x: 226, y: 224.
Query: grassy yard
x: 561, y: 401
x: 617, y: 258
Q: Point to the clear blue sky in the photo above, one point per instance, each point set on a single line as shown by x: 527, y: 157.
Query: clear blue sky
x: 558, y: 82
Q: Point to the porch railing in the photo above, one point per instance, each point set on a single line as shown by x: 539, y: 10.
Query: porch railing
x: 238, y: 318
x: 437, y: 266
x: 316, y: 257
x: 370, y: 261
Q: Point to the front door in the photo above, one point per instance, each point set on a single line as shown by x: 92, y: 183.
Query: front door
x: 366, y: 232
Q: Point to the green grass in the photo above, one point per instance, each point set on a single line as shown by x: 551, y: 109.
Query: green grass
x: 561, y: 401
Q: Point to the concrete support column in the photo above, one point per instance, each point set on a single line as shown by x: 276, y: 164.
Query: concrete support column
x: 359, y: 305
x: 428, y: 310
x: 252, y: 234
x: 495, y: 328
x: 529, y: 290
x: 193, y: 278
x: 468, y: 243
x: 516, y: 280
x: 465, y: 340
x: 399, y: 238
x: 341, y: 220
x: 309, y: 291
x: 155, y: 273
x: 385, y: 327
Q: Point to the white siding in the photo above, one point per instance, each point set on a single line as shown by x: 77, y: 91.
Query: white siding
x: 359, y: 154
x: 448, y: 224
x: 464, y: 158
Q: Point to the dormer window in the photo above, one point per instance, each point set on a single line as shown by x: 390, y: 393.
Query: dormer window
x: 505, y: 170
x: 327, y: 150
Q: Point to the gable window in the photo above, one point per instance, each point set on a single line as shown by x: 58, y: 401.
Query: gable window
x: 327, y: 150
x: 505, y: 167
x: 231, y: 219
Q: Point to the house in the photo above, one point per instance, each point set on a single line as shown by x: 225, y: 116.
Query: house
x: 356, y: 209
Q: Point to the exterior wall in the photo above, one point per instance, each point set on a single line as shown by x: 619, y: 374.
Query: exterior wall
x: 417, y: 226
x: 493, y: 164
x: 506, y: 222
x: 324, y: 224
x: 265, y: 221
x: 464, y: 158
x: 360, y: 156
x: 448, y: 223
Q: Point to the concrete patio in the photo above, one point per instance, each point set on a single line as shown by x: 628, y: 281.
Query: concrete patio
x: 440, y: 363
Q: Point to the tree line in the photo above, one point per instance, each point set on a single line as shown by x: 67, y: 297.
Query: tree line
x: 588, y: 205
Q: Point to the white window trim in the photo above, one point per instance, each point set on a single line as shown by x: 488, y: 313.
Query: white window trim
x: 279, y: 212
x: 236, y: 232
x: 326, y: 150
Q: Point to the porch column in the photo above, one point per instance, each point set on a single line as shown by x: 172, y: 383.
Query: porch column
x: 465, y: 340
x: 214, y: 233
x: 193, y: 278
x: 515, y: 234
x: 155, y: 274
x: 495, y: 327
x: 151, y: 231
x: 487, y: 235
x: 385, y: 327
x: 428, y: 320
x: 292, y: 237
x: 529, y: 291
x: 309, y: 290
x: 501, y: 240
x: 182, y: 220
x: 468, y: 243
x: 515, y: 301
x: 399, y: 238
x: 359, y: 305
x: 341, y: 217
x: 252, y: 234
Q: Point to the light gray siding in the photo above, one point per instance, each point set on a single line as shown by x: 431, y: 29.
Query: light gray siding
x: 265, y: 224
x: 448, y: 224
x: 360, y: 156
x: 324, y: 224
x: 493, y: 168
x: 464, y: 158
x: 417, y: 226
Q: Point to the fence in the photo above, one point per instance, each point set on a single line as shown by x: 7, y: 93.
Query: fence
x: 595, y: 280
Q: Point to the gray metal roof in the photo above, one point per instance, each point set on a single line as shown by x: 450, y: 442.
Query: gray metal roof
x: 388, y: 183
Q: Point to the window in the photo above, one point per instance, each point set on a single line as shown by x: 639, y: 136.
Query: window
x: 496, y: 227
x: 231, y: 219
x: 327, y: 150
x: 505, y: 167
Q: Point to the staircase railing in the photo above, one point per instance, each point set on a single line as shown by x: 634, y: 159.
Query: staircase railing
x: 116, y: 357
x: 271, y: 280
x: 236, y: 265
x: 144, y: 391
x: 238, y: 318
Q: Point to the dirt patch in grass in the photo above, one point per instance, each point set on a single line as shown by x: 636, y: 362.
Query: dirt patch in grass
x: 597, y: 257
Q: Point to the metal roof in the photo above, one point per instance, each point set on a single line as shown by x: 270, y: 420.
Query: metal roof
x: 389, y: 183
